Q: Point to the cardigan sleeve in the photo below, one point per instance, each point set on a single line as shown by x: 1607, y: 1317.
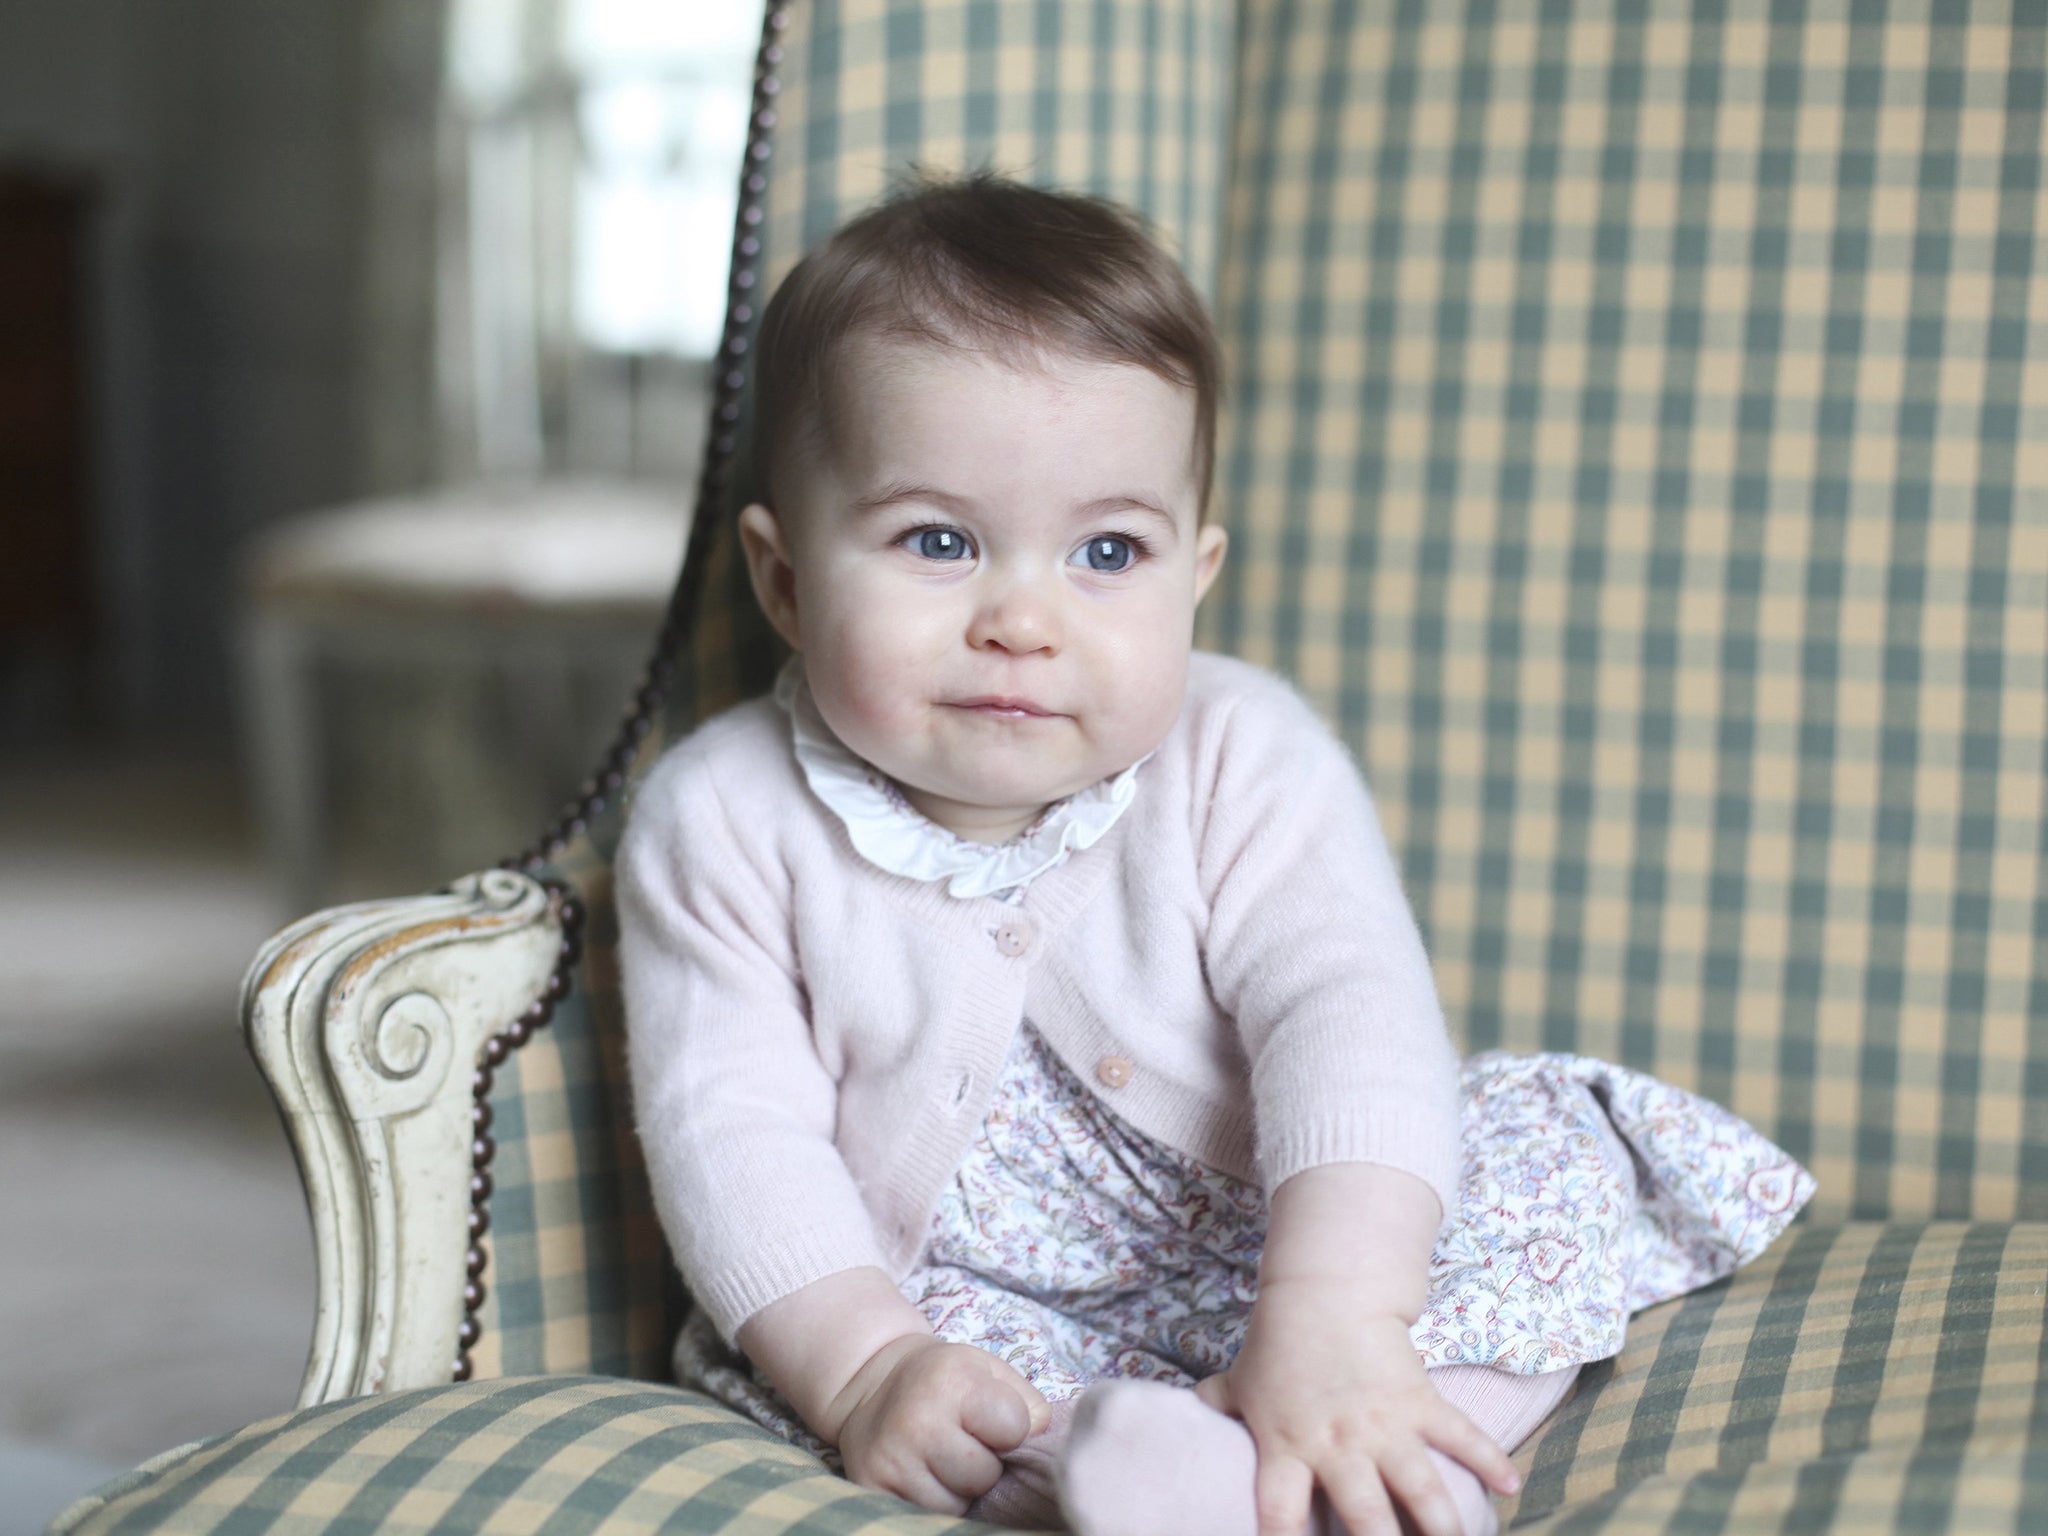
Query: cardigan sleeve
x: 735, y: 1110
x: 1312, y: 948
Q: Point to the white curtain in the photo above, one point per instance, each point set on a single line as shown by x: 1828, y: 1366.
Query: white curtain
x: 551, y: 210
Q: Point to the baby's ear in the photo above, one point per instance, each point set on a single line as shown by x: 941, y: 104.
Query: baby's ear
x: 1211, y: 543
x: 771, y: 570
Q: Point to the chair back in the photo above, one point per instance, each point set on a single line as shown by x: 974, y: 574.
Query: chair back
x: 1627, y: 449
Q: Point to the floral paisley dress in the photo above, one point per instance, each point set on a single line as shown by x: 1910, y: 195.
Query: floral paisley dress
x: 1077, y: 1248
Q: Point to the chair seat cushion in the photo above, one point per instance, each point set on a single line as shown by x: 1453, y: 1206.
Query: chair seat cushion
x: 554, y: 1454
x: 1858, y: 1377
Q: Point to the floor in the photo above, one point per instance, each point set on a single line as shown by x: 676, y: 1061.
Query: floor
x: 156, y: 1271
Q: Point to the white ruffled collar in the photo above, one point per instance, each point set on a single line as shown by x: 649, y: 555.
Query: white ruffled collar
x: 890, y: 832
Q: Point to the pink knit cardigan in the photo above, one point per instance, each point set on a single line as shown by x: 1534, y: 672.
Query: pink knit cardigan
x: 813, y: 1041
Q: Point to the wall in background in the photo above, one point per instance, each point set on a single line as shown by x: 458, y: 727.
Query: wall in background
x: 222, y: 135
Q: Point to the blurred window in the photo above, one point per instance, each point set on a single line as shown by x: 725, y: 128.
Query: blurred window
x: 596, y: 158
x: 663, y: 115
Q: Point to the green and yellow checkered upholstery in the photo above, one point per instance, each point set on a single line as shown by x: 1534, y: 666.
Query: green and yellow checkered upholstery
x: 1638, y: 446
x: 517, y: 1455
x: 1638, y: 452
x: 1861, y: 1377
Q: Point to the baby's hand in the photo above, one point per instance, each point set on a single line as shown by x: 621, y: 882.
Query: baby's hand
x: 1336, y: 1400
x: 928, y: 1421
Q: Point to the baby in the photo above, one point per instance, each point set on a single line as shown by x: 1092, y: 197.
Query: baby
x: 1026, y: 1022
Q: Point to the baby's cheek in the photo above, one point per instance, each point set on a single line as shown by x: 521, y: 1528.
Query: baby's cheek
x: 1154, y: 703
x: 874, y: 715
x: 862, y: 724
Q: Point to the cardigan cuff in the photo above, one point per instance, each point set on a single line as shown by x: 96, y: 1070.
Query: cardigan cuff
x: 770, y: 1271
x: 1414, y: 1144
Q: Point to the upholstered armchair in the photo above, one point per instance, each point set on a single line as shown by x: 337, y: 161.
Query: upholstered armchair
x: 1636, y: 448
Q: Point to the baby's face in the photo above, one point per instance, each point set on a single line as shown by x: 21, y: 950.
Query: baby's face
x: 993, y: 574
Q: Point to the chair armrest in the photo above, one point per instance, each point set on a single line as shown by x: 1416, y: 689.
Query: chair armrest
x: 366, y: 1020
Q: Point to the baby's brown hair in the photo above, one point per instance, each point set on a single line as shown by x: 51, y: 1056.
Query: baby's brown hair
x: 984, y: 261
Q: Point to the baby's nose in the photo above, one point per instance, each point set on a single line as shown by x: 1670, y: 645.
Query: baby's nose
x: 1018, y: 618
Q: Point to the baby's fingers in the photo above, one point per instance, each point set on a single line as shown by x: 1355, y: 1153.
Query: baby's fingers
x: 997, y: 1414
x: 1361, y: 1502
x: 1462, y: 1440
x: 1282, y: 1489
x: 1411, y: 1478
x: 966, y: 1469
x: 1037, y: 1409
x: 919, y: 1475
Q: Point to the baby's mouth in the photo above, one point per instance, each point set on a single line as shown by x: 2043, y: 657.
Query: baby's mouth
x: 1004, y: 707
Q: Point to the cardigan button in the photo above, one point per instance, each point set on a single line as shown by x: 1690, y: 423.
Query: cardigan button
x: 1114, y: 1071
x: 1013, y: 937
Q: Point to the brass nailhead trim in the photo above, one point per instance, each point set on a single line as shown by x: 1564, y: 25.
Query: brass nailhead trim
x: 482, y: 1148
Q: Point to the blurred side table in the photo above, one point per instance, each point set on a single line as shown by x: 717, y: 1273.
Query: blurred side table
x: 550, y: 594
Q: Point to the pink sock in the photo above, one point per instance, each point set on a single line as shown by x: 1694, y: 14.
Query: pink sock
x: 1145, y: 1459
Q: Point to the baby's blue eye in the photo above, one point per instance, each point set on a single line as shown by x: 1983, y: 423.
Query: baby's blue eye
x: 1109, y: 554
x: 941, y: 544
